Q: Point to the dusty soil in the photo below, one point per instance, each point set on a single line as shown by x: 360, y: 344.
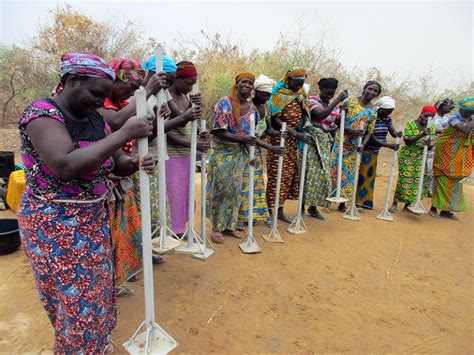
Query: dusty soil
x: 368, y: 286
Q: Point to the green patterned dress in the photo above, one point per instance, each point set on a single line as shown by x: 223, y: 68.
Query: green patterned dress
x: 409, y: 167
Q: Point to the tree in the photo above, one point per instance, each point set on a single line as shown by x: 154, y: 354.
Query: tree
x: 15, y: 75
x: 69, y: 31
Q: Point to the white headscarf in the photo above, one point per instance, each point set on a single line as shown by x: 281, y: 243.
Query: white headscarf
x: 264, y: 83
x: 385, y: 102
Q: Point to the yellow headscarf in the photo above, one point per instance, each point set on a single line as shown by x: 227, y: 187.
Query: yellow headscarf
x: 234, y: 99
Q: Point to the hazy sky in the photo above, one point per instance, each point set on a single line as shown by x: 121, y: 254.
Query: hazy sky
x: 406, y: 37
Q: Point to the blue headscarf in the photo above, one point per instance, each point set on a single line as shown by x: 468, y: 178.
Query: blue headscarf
x: 168, y: 64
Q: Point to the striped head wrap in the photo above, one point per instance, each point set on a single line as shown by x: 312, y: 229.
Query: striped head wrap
x: 128, y: 69
x: 83, y: 64
x: 467, y: 103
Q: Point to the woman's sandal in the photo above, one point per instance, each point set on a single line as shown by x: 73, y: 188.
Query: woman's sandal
x: 217, y: 238
x: 448, y: 215
x: 124, y: 291
x: 234, y: 234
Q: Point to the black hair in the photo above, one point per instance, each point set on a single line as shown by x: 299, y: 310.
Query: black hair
x: 373, y: 82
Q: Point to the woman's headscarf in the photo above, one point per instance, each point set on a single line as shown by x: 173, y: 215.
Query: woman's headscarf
x: 467, y: 103
x: 83, y: 64
x: 168, y: 64
x: 234, y: 99
x: 385, y: 102
x: 186, y: 69
x: 128, y: 69
x: 442, y: 102
x: 429, y: 109
x: 282, y: 96
x: 328, y: 83
x: 264, y: 83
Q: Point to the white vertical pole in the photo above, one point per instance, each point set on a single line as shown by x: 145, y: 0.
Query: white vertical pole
x: 140, y: 96
x: 278, y: 182
x: 385, y: 214
x: 418, y: 208
x: 251, y: 177
x: 274, y: 235
x: 203, y: 187
x: 338, y: 198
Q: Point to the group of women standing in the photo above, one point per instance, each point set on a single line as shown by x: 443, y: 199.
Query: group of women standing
x: 79, y: 215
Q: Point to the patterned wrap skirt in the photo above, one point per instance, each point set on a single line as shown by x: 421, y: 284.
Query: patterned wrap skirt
x: 69, y: 248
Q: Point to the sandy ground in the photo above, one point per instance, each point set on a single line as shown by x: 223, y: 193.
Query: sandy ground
x: 368, y: 286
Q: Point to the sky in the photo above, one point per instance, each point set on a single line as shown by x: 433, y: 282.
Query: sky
x: 409, y: 38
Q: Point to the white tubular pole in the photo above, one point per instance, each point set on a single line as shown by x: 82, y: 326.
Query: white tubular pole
x: 251, y: 178
x: 340, y: 151
x: 385, y: 214
x: 298, y: 226
x: 274, y: 234
x: 203, y: 187
x: 278, y: 182
x: 145, y: 216
x: 249, y: 245
x: 302, y: 178
x: 192, y: 186
x: 418, y: 207
x: 338, y: 198
x: 392, y: 175
x: 352, y: 213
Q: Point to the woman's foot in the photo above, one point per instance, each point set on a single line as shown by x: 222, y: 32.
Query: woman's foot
x: 233, y: 234
x: 282, y: 216
x: 313, y: 212
x: 124, y: 291
x: 157, y: 260
x: 217, y: 237
x: 342, y: 207
x: 240, y: 225
x: 393, y: 209
x: 449, y: 215
x: 433, y: 212
x: 109, y: 349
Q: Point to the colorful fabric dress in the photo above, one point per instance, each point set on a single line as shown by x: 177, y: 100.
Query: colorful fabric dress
x: 355, y: 116
x: 289, y: 107
x: 227, y: 163
x: 409, y: 167
x: 177, y: 180
x: 318, y: 172
x: 125, y: 223
x: 64, y: 227
x: 260, y: 208
x: 440, y: 123
x: 368, y: 163
x: 453, y: 161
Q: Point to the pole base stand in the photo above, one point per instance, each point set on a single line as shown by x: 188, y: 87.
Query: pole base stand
x: 385, y: 215
x: 203, y: 254
x: 153, y: 340
x: 418, y: 208
x: 297, y: 226
x: 250, y: 246
x: 337, y: 199
x: 169, y: 245
x: 273, y: 236
x: 352, y: 213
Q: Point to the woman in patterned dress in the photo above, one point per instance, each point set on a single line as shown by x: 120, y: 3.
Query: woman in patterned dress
x: 263, y: 90
x: 288, y: 104
x: 416, y: 136
x: 324, y: 114
x: 378, y: 139
x: 359, y: 113
x: 63, y: 216
x: 229, y: 157
x: 453, y: 161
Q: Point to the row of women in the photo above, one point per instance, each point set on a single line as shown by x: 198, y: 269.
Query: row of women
x: 77, y: 146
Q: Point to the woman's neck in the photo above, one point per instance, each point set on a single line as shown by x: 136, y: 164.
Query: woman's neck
x: 363, y: 101
x: 64, y: 105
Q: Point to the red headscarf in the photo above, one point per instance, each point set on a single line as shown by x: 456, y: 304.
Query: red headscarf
x: 126, y: 69
x: 429, y: 109
x: 186, y: 70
